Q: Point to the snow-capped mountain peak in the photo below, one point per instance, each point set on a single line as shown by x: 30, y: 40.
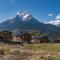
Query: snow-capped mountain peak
x: 26, y: 16
x: 25, y: 21
x: 18, y: 13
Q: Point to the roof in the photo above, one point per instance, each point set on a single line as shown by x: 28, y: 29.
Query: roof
x: 5, y: 31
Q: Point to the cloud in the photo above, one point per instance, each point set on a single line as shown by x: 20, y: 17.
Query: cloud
x: 50, y: 14
x: 58, y: 16
x: 56, y: 21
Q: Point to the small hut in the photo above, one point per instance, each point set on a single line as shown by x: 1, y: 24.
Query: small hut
x: 44, y: 39
x: 57, y: 40
x: 23, y: 37
x: 5, y: 35
x: 26, y: 38
x: 40, y: 39
x: 17, y: 38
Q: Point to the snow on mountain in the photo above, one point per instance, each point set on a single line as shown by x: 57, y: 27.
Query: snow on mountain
x: 18, y: 13
x: 26, y: 16
x: 25, y: 21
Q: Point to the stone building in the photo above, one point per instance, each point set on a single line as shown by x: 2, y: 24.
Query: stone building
x: 39, y: 39
x: 24, y: 38
x: 44, y: 39
x: 5, y: 35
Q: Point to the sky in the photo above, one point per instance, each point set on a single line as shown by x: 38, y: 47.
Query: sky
x: 47, y: 11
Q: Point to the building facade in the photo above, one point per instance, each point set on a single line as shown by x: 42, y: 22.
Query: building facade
x: 5, y: 35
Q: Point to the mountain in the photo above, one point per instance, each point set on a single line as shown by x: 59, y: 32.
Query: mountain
x: 25, y: 21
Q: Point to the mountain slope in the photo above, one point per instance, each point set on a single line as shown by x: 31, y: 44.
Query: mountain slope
x: 25, y: 21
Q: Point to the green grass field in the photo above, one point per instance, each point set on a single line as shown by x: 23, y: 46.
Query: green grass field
x: 44, y: 47
x: 45, y: 51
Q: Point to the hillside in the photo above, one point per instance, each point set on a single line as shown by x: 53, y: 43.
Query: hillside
x: 25, y: 21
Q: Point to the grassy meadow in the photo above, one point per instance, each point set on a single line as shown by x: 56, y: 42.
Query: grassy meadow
x: 44, y: 47
x: 30, y: 52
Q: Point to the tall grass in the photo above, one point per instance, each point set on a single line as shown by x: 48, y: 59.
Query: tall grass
x: 45, y: 47
x: 46, y: 58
